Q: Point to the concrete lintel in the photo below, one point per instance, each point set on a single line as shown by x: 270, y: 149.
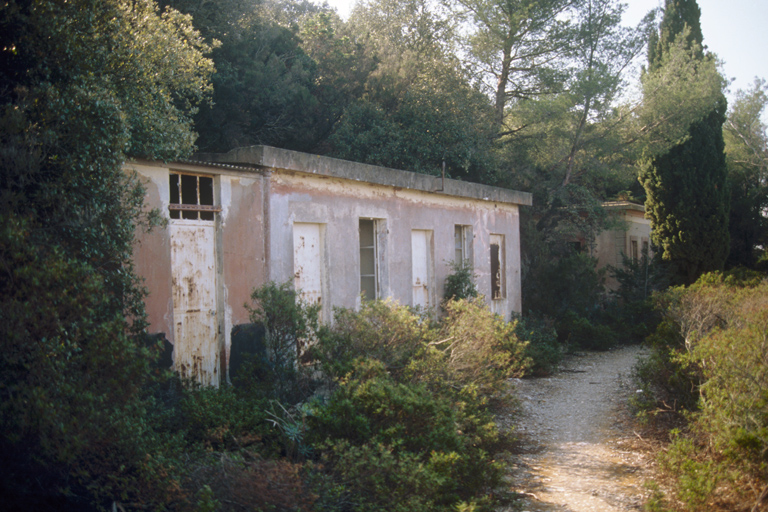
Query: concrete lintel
x: 275, y: 158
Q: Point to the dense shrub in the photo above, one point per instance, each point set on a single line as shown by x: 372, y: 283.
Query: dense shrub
x: 542, y: 349
x: 381, y: 330
x: 569, y: 283
x: 714, y: 349
x: 290, y: 325
x: 72, y: 413
x: 582, y: 332
x: 443, y: 443
x: 460, y: 284
x: 411, y: 396
x: 632, y: 313
x: 481, y: 348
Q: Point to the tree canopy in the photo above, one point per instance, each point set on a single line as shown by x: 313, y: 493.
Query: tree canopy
x: 746, y: 149
x: 687, y: 190
x: 83, y: 85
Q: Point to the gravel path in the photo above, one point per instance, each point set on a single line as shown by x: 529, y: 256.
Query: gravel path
x: 578, y: 451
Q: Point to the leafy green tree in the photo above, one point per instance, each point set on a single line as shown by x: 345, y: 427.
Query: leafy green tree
x: 84, y: 84
x: 263, y: 85
x: 686, y: 187
x: 517, y: 48
x: 746, y: 149
x: 342, y: 65
x: 418, y: 109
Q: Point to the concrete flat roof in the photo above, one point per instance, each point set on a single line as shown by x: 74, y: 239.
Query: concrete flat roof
x: 276, y: 159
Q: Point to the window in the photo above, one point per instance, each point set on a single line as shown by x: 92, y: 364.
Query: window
x: 462, y: 237
x: 646, y: 249
x: 633, y: 250
x: 498, y: 279
x: 369, y: 265
x: 192, y: 197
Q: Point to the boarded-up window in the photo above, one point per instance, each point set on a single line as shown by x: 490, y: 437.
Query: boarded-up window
x: 369, y: 265
x: 191, y: 197
x: 498, y: 279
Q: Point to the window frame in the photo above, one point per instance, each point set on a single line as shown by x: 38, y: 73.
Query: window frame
x: 374, y: 249
x: 462, y: 241
x: 177, y: 210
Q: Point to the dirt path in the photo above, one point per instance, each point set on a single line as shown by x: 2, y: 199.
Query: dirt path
x: 577, y: 451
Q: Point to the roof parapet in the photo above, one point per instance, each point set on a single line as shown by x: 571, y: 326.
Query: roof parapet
x: 276, y: 158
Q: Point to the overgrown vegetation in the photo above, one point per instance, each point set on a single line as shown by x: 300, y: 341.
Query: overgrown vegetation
x: 401, y: 419
x: 84, y: 85
x: 707, y: 377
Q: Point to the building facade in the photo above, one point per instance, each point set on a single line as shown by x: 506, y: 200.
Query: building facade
x: 340, y: 231
x: 630, y: 236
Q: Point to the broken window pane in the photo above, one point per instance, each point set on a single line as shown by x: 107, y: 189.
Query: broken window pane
x: 191, y: 191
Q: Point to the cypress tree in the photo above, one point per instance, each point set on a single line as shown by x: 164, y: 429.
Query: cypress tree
x: 686, y: 187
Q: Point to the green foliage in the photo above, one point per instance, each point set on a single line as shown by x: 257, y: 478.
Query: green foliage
x: 291, y: 327
x: 633, y: 313
x: 263, y: 85
x: 71, y: 376
x: 411, y: 396
x: 420, y: 129
x: 460, y: 284
x: 514, y: 47
x: 680, y: 17
x: 542, y: 347
x: 481, y: 348
x: 714, y: 357
x: 746, y: 148
x: 381, y: 330
x: 686, y: 186
x: 442, y: 445
x: 567, y: 284
x: 587, y: 334
x: 217, y: 417
x: 85, y: 83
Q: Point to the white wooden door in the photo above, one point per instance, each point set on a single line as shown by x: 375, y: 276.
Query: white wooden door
x: 195, y: 312
x: 420, y: 257
x: 308, y: 261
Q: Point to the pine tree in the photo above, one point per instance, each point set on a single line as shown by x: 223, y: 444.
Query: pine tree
x: 687, y: 194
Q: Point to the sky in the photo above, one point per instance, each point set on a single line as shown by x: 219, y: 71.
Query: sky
x: 735, y: 30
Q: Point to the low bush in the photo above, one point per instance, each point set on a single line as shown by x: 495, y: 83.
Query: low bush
x: 411, y: 396
x: 442, y: 443
x: 381, y: 330
x: 290, y: 329
x: 591, y: 336
x: 713, y: 349
x: 481, y: 348
x: 542, y: 349
x: 460, y: 284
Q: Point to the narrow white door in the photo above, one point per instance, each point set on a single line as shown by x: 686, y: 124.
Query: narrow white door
x: 308, y: 261
x: 420, y: 256
x: 195, y: 315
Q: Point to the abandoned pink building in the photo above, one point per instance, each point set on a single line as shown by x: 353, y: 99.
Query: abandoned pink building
x: 341, y: 231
